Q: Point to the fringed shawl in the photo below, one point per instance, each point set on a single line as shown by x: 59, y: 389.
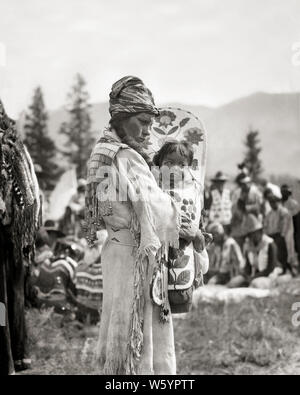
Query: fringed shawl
x: 155, y: 221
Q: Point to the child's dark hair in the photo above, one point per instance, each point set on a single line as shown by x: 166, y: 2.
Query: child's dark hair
x: 183, y: 148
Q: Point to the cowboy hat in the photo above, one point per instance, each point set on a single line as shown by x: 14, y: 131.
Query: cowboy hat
x: 220, y: 176
x: 273, y: 192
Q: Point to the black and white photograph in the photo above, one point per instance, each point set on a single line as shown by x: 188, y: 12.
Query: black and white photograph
x: 149, y: 190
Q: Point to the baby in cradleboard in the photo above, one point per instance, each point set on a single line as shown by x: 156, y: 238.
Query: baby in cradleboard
x: 188, y: 263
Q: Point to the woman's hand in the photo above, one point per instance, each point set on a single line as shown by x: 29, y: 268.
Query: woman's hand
x: 188, y: 229
x: 199, y: 242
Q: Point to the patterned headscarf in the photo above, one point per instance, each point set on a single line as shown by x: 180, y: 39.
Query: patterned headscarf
x: 130, y: 95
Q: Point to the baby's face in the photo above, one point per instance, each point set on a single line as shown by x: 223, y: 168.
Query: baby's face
x: 177, y: 172
x: 175, y: 160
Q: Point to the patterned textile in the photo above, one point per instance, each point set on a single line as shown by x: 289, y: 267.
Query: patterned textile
x: 186, y: 266
x: 64, y: 267
x: 53, y: 282
x: 130, y: 95
x: 89, y: 285
x: 103, y: 155
x: 17, y: 177
x: 182, y: 268
x: 19, y: 207
x: 220, y: 210
x: 178, y: 124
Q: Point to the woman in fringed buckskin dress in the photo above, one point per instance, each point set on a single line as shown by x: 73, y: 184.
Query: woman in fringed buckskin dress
x: 136, y: 336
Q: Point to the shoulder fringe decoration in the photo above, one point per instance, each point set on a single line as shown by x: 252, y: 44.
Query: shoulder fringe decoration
x: 103, y: 154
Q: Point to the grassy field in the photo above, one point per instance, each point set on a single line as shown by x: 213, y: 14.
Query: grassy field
x: 254, y: 337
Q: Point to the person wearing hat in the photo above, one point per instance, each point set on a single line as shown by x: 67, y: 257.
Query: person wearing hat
x: 279, y: 226
x: 294, y: 208
x: 46, y: 243
x: 266, y: 186
x: 247, y: 199
x: 225, y: 256
x: 260, y: 255
x: 287, y: 200
x: 122, y: 196
x: 54, y: 282
x: 220, y: 209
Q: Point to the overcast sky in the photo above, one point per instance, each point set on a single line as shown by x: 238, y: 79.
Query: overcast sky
x: 189, y: 51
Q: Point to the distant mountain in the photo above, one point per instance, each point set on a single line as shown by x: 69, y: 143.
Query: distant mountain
x: 276, y: 116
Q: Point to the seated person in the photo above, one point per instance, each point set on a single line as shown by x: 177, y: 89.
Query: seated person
x: 225, y: 256
x: 53, y: 282
x: 47, y: 238
x: 43, y: 249
x: 260, y: 253
x: 89, y: 282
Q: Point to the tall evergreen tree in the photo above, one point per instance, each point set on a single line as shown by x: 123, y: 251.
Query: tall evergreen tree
x: 78, y: 128
x: 40, y: 145
x: 252, y: 158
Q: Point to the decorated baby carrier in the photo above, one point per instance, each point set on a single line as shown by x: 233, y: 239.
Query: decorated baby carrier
x: 184, y: 265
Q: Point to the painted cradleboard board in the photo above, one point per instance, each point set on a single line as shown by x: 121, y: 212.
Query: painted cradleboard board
x: 178, y: 124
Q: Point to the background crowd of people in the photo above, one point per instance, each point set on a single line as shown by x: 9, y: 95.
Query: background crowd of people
x: 255, y: 228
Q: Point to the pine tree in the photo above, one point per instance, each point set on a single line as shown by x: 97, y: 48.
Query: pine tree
x: 78, y: 129
x: 252, y: 158
x: 40, y: 146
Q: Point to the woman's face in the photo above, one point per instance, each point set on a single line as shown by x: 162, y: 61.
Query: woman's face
x: 138, y: 127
